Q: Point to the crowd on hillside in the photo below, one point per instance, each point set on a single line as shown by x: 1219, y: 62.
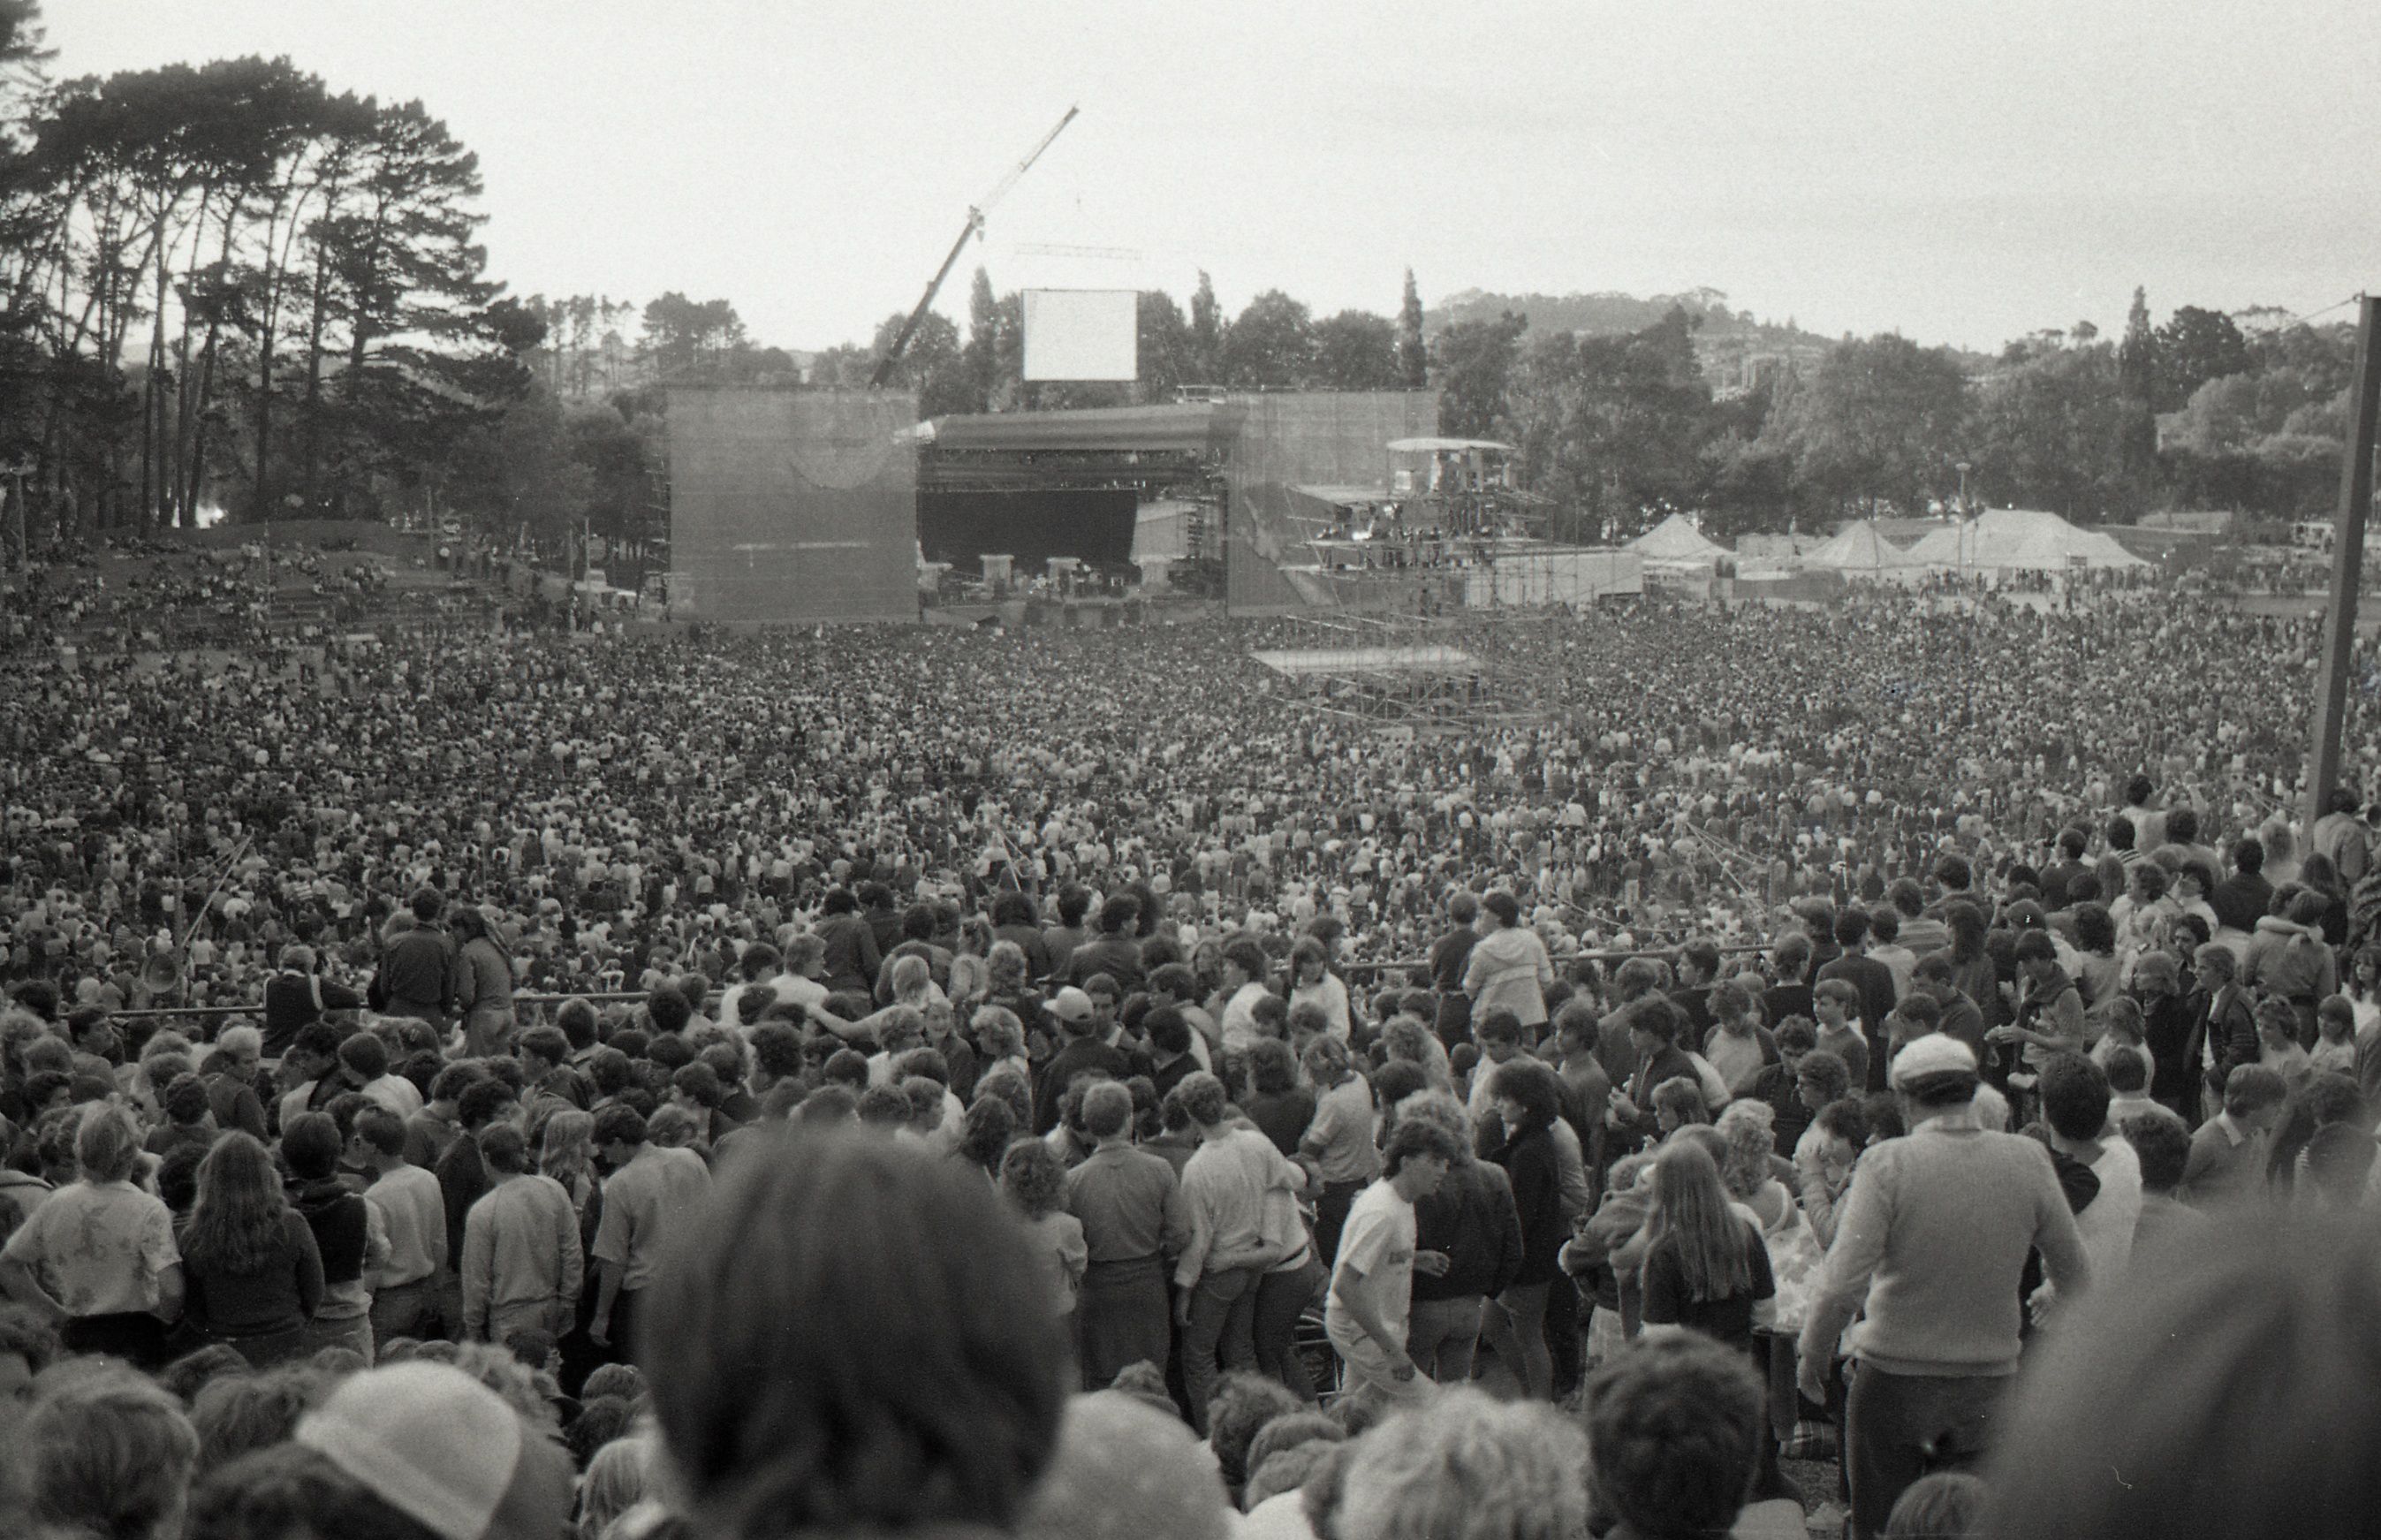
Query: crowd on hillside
x: 867, y: 1081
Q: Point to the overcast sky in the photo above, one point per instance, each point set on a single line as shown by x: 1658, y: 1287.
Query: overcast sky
x: 1956, y: 170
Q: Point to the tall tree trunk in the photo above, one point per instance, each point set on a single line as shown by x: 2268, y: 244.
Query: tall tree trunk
x: 206, y: 383
x: 177, y: 504
x: 310, y: 461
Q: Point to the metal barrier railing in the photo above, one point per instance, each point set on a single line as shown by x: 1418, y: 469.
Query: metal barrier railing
x: 1352, y: 971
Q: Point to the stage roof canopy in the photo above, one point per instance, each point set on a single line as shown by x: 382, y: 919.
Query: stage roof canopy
x: 1187, y: 427
x: 1445, y: 445
x: 1304, y: 662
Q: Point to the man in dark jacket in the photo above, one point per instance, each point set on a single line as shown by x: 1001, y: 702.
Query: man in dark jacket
x: 1652, y: 1030
x: 1872, y: 978
x: 463, y: 1176
x: 2245, y: 897
x: 343, y: 1225
x: 1113, y: 951
x: 417, y: 970
x: 1448, y: 957
x: 852, y: 958
x: 297, y: 997
x: 1084, y: 1052
x: 1471, y: 1221
x: 2223, y: 1027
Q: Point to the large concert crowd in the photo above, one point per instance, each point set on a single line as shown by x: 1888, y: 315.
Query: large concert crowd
x: 1906, y: 1061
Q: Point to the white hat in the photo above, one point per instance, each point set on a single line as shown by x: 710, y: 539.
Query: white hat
x: 1933, y: 1055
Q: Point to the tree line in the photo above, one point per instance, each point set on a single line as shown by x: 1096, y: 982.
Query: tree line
x: 2199, y: 412
x: 226, y: 282
x: 2204, y: 411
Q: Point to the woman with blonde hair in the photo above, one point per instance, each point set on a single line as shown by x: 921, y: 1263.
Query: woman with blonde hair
x: 1409, y: 1038
x: 567, y: 1153
x: 914, y: 987
x: 999, y: 1040
x: 618, y: 1479
x: 972, y: 964
x: 99, y: 1253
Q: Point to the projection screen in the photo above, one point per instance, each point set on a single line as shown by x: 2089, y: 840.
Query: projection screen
x: 1082, y: 334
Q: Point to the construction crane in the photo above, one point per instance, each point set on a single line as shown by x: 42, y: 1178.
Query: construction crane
x: 973, y: 228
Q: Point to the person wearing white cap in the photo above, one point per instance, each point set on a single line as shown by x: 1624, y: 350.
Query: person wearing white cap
x: 424, y: 1440
x: 1933, y: 1235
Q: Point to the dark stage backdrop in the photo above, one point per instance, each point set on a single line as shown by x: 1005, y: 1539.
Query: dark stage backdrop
x: 793, y: 505
x: 962, y: 526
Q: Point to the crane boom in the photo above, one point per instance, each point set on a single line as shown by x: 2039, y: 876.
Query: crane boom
x: 975, y: 226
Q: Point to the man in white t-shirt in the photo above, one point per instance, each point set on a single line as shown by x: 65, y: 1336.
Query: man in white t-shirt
x: 1371, y: 1283
x: 1245, y: 969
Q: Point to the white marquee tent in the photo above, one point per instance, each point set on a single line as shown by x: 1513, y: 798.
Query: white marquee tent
x: 2021, y: 540
x: 1676, y: 538
x: 1859, y: 551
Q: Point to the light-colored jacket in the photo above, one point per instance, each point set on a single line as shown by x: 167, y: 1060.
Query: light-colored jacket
x: 1509, y: 970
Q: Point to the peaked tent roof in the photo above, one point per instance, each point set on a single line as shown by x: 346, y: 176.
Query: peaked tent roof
x: 1859, y: 547
x: 2021, y: 539
x: 1675, y: 538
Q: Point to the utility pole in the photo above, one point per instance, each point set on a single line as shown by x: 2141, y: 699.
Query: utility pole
x: 2347, y: 562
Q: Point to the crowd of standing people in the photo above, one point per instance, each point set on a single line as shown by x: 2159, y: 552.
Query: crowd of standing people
x: 861, y: 1081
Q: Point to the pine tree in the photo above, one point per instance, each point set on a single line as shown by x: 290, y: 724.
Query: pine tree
x: 1206, y: 333
x: 2136, y: 383
x: 1413, y: 361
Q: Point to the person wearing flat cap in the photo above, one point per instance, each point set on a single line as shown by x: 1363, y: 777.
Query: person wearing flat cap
x: 1933, y: 1236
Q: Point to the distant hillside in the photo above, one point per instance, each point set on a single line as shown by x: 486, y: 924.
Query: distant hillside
x: 1736, y: 346
x: 1586, y: 313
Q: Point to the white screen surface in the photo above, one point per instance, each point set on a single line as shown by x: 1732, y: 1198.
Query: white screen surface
x: 1082, y: 334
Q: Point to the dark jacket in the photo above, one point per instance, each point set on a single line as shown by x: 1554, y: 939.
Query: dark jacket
x: 1079, y: 1055
x: 1472, y: 1218
x: 2233, y: 1019
x: 462, y: 1181
x: 338, y: 1220
x: 233, y: 1101
x: 279, y: 1296
x: 852, y: 958
x: 1448, y: 957
x: 1776, y: 1089
x: 1029, y: 941
x: 418, y: 971
x: 2242, y: 899
x: 1529, y: 1161
x: 1875, y: 981
x: 1669, y: 1064
x: 294, y: 1001
x: 1117, y: 955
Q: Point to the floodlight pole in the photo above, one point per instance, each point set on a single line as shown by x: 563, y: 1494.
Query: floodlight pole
x: 2347, y: 563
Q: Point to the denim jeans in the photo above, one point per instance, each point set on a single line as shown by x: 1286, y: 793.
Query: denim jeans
x: 1899, y: 1427
x: 1223, y: 1316
x: 1442, y: 1335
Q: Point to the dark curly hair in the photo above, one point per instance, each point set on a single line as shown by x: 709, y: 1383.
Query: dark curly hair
x: 1675, y: 1425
